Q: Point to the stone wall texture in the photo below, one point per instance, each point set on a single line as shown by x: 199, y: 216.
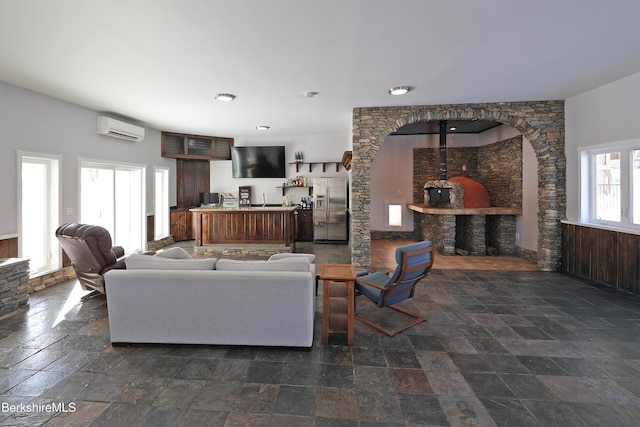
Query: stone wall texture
x: 500, y: 171
x: 501, y: 234
x: 50, y: 279
x: 14, y: 285
x: 497, y: 166
x: 426, y: 167
x: 541, y: 122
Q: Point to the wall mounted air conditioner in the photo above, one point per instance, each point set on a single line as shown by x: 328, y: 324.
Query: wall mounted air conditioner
x: 119, y: 129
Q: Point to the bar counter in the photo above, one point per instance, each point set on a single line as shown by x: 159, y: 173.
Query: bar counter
x: 271, y: 224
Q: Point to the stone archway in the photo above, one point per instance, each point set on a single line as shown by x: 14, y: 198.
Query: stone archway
x: 542, y: 122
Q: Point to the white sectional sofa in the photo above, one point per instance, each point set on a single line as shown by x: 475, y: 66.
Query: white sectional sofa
x: 209, y: 301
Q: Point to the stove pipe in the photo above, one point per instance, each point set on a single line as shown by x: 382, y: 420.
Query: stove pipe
x: 443, y: 150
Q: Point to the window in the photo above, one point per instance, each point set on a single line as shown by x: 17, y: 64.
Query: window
x: 635, y: 187
x: 608, y: 200
x: 161, y: 211
x: 38, y: 211
x: 394, y: 214
x: 610, y: 178
x: 112, y: 196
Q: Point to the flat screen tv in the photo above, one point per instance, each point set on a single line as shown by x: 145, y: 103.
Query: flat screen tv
x: 258, y: 162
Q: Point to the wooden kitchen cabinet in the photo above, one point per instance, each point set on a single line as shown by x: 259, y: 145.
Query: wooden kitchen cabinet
x: 304, y: 225
x: 192, y: 181
x: 195, y: 147
x: 181, y: 224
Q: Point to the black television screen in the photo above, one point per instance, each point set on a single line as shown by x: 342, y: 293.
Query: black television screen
x: 258, y: 162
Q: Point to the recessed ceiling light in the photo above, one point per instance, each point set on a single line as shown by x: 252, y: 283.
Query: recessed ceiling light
x: 225, y: 97
x: 399, y: 90
x: 263, y: 127
x: 452, y: 128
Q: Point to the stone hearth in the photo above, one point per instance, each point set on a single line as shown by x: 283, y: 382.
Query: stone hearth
x: 457, y: 216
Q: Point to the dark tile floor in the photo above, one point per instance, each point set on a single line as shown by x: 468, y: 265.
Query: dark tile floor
x: 501, y: 348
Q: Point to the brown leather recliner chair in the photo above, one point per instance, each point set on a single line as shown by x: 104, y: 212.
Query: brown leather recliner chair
x: 91, y: 253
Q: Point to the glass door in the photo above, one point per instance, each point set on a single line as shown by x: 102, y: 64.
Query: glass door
x: 112, y: 196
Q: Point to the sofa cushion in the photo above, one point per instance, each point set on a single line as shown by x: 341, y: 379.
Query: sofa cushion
x: 147, y: 262
x: 174, y: 253
x: 286, y: 264
x: 310, y: 257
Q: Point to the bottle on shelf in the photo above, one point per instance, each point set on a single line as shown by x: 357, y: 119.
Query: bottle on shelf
x: 298, y: 181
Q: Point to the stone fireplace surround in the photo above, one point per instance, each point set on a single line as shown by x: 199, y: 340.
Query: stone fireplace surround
x: 489, y: 230
x: 454, y: 226
x: 541, y: 122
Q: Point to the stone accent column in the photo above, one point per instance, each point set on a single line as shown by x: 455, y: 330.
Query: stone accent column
x: 502, y: 234
x: 477, y: 235
x: 471, y: 233
x: 440, y: 230
x: 14, y: 285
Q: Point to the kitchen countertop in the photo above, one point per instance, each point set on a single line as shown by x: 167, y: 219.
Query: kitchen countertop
x: 244, y: 208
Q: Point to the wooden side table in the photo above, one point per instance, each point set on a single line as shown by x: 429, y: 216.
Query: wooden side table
x: 337, y: 300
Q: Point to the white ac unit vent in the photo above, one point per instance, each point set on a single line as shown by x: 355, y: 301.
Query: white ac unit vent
x: 119, y: 129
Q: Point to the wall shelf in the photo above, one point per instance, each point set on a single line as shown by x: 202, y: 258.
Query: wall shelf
x: 311, y: 164
x: 286, y: 187
x: 346, y: 159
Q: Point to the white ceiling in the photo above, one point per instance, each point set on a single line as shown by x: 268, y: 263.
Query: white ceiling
x: 161, y: 62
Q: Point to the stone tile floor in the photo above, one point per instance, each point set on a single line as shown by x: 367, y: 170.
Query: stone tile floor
x: 499, y: 348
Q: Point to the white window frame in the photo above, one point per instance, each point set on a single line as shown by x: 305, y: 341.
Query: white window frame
x: 588, y: 184
x: 88, y: 163
x: 52, y: 219
x: 161, y: 207
x: 402, y: 203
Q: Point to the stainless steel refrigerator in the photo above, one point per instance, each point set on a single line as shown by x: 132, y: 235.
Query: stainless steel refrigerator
x: 330, y: 210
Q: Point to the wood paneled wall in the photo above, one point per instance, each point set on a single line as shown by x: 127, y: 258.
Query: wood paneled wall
x: 192, y: 178
x: 151, y: 228
x: 608, y: 257
x: 9, y: 248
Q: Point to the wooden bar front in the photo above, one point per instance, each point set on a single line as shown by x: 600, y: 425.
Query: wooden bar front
x: 244, y: 225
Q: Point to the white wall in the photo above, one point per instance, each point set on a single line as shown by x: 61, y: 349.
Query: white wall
x: 36, y: 123
x: 392, y: 178
x: 316, y: 148
x: 610, y: 113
